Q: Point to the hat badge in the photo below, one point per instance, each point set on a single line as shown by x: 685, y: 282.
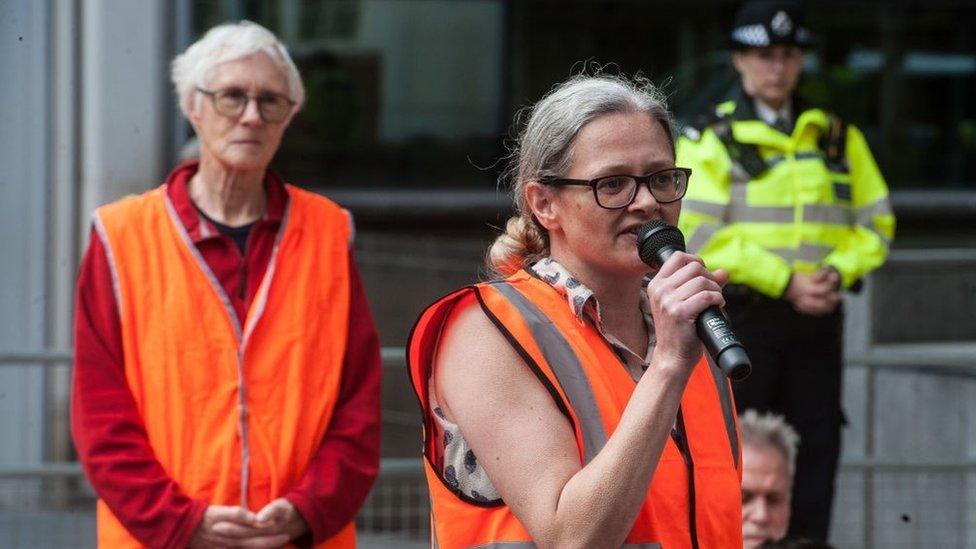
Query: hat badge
x: 781, y: 23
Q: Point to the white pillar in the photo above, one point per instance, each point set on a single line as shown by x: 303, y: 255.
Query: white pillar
x: 126, y: 105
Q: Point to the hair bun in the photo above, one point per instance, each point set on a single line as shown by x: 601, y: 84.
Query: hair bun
x: 523, y: 242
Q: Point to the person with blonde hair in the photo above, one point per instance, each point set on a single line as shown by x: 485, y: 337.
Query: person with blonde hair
x: 564, y: 403
x: 226, y: 375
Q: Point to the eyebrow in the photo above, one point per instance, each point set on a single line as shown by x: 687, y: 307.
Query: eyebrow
x: 261, y: 91
x: 619, y: 169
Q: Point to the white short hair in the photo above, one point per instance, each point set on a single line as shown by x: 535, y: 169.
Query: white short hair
x: 772, y: 431
x: 229, y: 42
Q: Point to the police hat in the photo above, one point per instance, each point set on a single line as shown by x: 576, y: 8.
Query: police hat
x: 763, y: 23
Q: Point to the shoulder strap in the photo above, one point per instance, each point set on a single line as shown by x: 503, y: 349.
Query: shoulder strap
x: 719, y: 119
x: 743, y: 154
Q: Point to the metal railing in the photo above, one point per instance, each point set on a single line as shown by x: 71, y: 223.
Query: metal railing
x: 399, y: 502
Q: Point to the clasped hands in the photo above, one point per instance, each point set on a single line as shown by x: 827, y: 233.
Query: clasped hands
x: 225, y: 526
x: 815, y: 294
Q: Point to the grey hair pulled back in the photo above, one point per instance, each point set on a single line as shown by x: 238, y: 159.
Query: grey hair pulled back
x: 543, y: 148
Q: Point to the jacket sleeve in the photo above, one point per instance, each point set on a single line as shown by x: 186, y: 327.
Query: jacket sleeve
x: 108, y: 432
x: 865, y: 244
x: 340, y: 475
x: 705, y: 214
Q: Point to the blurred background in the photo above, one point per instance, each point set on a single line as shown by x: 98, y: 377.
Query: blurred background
x: 409, y: 111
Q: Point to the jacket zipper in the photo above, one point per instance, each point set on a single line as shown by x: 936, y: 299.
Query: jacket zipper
x: 681, y: 441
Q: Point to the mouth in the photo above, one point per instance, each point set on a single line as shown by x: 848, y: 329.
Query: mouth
x: 253, y: 142
x: 632, y: 229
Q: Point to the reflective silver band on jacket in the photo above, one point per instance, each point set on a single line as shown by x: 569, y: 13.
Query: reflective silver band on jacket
x: 565, y: 365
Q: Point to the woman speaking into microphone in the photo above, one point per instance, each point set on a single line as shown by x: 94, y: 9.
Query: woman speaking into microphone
x: 567, y: 401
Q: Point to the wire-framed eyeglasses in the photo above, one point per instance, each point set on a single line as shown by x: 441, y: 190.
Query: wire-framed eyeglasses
x: 231, y: 102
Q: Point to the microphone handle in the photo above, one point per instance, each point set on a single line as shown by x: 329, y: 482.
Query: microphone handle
x: 722, y: 345
x: 717, y: 336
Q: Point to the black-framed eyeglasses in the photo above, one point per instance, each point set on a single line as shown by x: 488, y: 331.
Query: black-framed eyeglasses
x: 231, y: 102
x: 614, y: 192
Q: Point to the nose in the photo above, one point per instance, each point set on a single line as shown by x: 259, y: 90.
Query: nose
x: 757, y: 511
x: 644, y: 201
x: 251, y: 114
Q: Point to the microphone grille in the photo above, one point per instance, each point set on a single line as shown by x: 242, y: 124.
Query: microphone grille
x: 656, y: 235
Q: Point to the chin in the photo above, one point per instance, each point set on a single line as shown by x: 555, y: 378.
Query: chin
x: 245, y: 163
x: 752, y: 542
x: 631, y: 266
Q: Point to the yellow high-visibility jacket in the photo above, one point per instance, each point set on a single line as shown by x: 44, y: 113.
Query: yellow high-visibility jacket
x: 776, y: 204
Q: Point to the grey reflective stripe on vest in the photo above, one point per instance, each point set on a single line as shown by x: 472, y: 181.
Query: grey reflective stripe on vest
x: 242, y: 423
x: 728, y: 412
x: 805, y: 155
x: 810, y: 253
x: 705, y: 208
x: 740, y: 211
x: 827, y: 213
x: 530, y: 545
x: 703, y: 233
x: 110, y: 257
x: 567, y: 367
x: 204, y: 267
x: 865, y: 215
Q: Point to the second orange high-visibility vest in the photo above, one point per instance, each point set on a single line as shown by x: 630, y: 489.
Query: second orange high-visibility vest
x: 233, y: 411
x: 694, y: 499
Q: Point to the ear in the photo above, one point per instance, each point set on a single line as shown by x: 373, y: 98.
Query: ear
x: 737, y: 61
x: 539, y: 198
x: 192, y: 108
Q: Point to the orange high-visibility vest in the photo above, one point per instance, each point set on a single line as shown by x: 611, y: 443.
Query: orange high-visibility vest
x: 694, y: 499
x: 234, y: 413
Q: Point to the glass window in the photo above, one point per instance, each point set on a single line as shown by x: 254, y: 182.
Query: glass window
x: 399, y: 93
x: 421, y: 93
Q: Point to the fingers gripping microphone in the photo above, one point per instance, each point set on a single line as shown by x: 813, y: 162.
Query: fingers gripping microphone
x: 656, y: 241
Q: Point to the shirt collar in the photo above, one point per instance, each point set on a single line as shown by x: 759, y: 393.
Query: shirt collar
x: 580, y: 298
x: 199, y: 228
x: 770, y: 115
x: 584, y: 305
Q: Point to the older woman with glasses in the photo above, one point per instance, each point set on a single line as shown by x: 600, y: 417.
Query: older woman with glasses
x: 567, y: 402
x: 226, y: 382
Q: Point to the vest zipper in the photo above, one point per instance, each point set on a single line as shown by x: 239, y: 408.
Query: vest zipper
x: 679, y: 435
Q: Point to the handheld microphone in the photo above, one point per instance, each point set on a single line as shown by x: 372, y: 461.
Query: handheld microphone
x: 656, y: 241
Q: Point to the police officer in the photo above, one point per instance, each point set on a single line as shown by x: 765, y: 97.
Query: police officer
x: 789, y: 200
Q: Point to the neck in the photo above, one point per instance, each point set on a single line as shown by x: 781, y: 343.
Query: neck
x: 618, y: 296
x: 230, y: 197
x: 775, y: 106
